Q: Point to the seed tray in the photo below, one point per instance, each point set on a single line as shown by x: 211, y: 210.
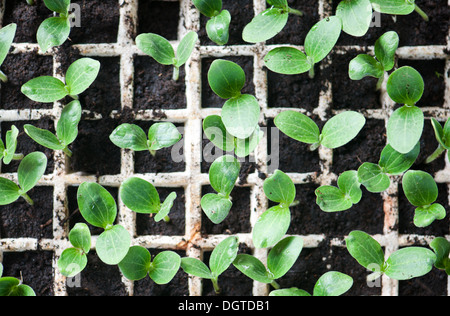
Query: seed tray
x: 194, y: 243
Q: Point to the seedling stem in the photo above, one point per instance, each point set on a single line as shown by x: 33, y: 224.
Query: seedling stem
x: 28, y: 199
x: 275, y: 285
x: 176, y: 73
x: 296, y: 12
x: 380, y: 83
x: 215, y: 283
x: 422, y: 13
x: 68, y: 152
x: 312, y: 73
x: 3, y: 77
x: 437, y: 153
x: 18, y: 156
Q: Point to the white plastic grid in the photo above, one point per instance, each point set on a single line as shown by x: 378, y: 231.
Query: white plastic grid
x: 192, y: 179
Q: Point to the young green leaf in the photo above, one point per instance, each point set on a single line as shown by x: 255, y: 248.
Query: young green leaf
x: 398, y: 7
x: 79, y: 77
x: 265, y: 25
x: 404, y: 128
x: 421, y: 191
x: 356, y: 16
x: 217, y: 133
x: 8, y: 149
x: 287, y: 60
x: 43, y: 137
x: 441, y: 248
x: 223, y: 174
x: 395, y: 163
x: 221, y: 258
x: 208, y: 8
x: 443, y: 138
x: 81, y: 74
x: 241, y: 116
x: 10, y: 286
x: 163, y: 52
x: 341, y: 198
x: 365, y: 66
x: 137, y: 264
x: 67, y: 127
x: 7, y: 35
x: 298, y: 126
x: 53, y: 32
x: 9, y: 192
x: 279, y: 188
x: 405, y: 86
x: 226, y: 78
x: 74, y: 260
x: 385, y: 48
x: 404, y: 264
x: 333, y: 284
x: 408, y: 263
x: 131, y: 136
x: 218, y: 26
x: 280, y: 260
x: 113, y: 244
x: 373, y: 177
x: 337, y: 131
x: 273, y: 224
x: 59, y: 6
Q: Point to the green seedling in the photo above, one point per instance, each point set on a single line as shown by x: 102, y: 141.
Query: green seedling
x: 240, y: 113
x: 30, y: 2
x: 10, y: 286
x: 141, y: 197
x: 404, y: 264
x: 73, y: 260
x: 79, y: 76
x: 443, y: 138
x: 337, y: 132
x: 98, y: 208
x: 336, y: 199
x: 405, y: 126
x: 319, y: 42
x: 131, y: 136
x: 270, y: 22
x: 8, y: 149
x: 218, y: 24
x: 31, y: 170
x: 138, y: 263
x: 55, y: 31
x: 356, y: 16
x: 223, y: 173
x: 66, y: 130
x: 7, y: 35
x: 422, y: 191
x: 398, y: 7
x: 280, y: 260
x: 330, y: 284
x: 273, y: 224
x: 163, y: 52
x: 375, y: 177
x: 221, y: 258
x: 367, y: 66
x: 217, y: 133
x: 441, y: 248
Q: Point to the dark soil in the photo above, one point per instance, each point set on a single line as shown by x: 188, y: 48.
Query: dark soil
x: 20, y: 69
x: 350, y: 94
x: 98, y: 279
x: 159, y: 17
x: 154, y: 88
x: 314, y: 262
x: 366, y: 147
x: 209, y: 98
x: 232, y: 282
x: 99, y: 22
x: 20, y: 219
x: 241, y: 15
x: 93, y: 151
x: 238, y: 221
x: 34, y: 266
x: 307, y: 218
x: 146, y: 225
x: 290, y: 155
x: 295, y: 91
x: 297, y: 27
x: 28, y: 18
x: 25, y: 145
